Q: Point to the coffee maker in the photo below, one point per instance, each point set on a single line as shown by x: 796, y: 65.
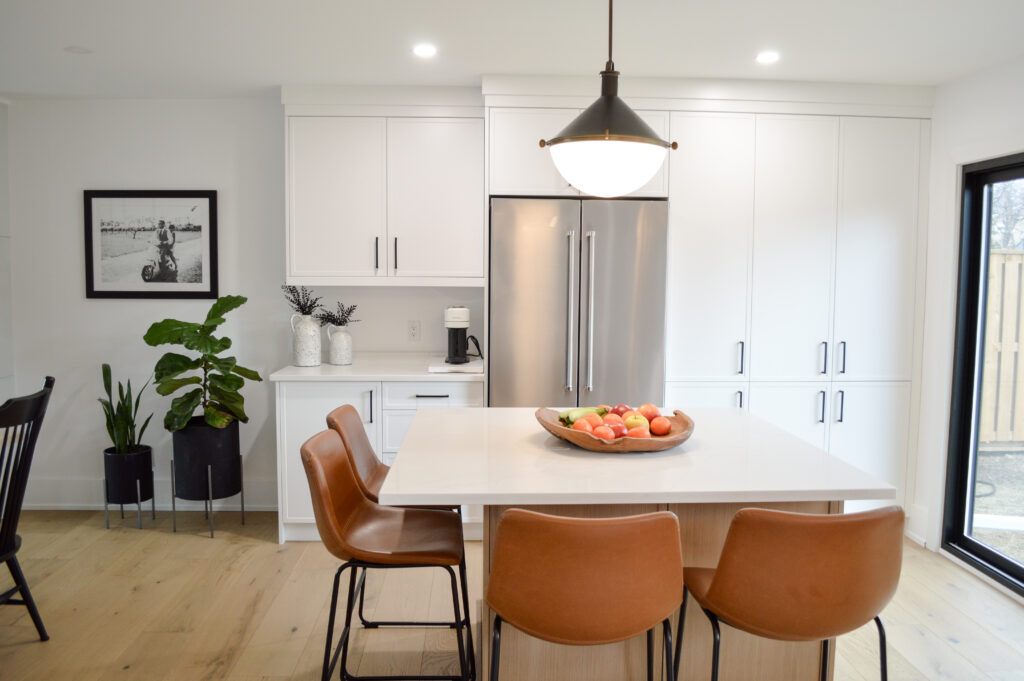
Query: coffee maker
x: 456, y: 320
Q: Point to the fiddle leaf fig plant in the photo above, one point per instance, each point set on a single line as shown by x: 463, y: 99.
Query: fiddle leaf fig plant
x: 218, y: 379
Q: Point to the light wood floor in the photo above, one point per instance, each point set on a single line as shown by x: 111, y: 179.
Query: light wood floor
x: 152, y: 605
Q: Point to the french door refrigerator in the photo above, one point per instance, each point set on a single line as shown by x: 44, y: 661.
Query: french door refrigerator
x: 577, y: 302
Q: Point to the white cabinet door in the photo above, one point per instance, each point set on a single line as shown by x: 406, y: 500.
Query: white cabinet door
x: 518, y: 164
x: 798, y: 408
x: 302, y: 412
x: 336, y: 197
x: 711, y: 197
x: 876, y: 249
x: 869, y: 429
x: 794, y: 236
x: 435, y: 197
x: 658, y: 186
x: 682, y: 395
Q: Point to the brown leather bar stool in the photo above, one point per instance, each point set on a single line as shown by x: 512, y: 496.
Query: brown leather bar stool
x: 370, y: 473
x: 586, y: 581
x: 800, y: 577
x: 367, y: 535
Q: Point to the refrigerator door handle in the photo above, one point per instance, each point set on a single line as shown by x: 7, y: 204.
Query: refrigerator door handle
x: 592, y: 237
x: 570, y: 316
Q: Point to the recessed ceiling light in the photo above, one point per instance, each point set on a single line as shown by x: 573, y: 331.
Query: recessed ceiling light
x: 767, y: 57
x: 424, y: 50
x: 77, y: 49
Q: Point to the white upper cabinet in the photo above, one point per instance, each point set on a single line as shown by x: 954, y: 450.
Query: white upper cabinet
x: 876, y: 248
x: 519, y: 166
x: 435, y: 171
x: 336, y: 197
x: 362, y: 190
x: 711, y: 203
x: 794, y: 238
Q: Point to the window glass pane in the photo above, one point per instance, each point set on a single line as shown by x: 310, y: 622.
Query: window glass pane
x: 996, y: 510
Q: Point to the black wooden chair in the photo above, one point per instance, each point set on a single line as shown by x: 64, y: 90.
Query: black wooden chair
x: 20, y: 420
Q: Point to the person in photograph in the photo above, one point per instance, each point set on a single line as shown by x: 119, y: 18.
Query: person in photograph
x: 165, y: 240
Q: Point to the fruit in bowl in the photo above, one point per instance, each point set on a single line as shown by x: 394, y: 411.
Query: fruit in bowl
x: 612, y: 435
x: 611, y: 423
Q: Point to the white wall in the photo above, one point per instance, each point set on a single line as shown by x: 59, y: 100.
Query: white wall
x: 974, y: 118
x: 6, y: 332
x: 58, y: 148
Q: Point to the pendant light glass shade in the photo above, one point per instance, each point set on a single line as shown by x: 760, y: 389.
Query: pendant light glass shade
x: 608, y: 150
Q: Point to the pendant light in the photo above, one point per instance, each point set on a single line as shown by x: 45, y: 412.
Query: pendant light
x: 608, y: 150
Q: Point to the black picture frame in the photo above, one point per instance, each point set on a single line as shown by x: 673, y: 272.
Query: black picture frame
x: 116, y: 267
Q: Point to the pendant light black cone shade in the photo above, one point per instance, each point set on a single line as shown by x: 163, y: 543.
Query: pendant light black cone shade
x: 608, y: 150
x: 608, y: 118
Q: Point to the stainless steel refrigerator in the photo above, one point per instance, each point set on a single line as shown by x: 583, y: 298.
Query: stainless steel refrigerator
x: 577, y: 302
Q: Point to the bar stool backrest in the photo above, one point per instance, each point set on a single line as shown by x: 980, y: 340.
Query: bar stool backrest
x: 803, y: 577
x: 345, y: 420
x: 20, y: 421
x: 585, y: 581
x: 338, y: 504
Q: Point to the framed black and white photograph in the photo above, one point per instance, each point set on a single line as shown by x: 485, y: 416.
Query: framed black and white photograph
x: 151, y: 244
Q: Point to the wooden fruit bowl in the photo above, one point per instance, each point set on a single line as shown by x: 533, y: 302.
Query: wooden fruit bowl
x: 682, y: 428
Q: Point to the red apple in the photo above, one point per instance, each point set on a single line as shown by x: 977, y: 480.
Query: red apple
x: 621, y: 409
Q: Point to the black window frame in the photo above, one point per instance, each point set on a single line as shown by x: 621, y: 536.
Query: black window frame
x: 966, y: 389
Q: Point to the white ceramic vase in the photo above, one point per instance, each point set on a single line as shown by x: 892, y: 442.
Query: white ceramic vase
x: 305, y: 341
x: 339, y: 345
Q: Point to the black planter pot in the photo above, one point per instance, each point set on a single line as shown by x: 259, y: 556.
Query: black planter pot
x: 128, y: 479
x: 207, y: 465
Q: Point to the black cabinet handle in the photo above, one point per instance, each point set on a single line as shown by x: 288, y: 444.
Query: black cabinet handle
x: 824, y: 364
x: 740, y: 393
x: 821, y: 419
x: 842, y: 369
x: 371, y: 405
x: 376, y: 252
x: 433, y: 397
x: 743, y: 347
x: 396, y: 252
x: 842, y: 405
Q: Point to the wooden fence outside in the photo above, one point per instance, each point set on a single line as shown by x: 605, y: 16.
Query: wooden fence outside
x: 1002, y: 388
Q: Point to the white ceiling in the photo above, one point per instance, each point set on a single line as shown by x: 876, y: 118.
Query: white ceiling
x: 201, y: 48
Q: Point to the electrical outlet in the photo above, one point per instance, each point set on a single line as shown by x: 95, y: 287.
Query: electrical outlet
x: 414, y: 330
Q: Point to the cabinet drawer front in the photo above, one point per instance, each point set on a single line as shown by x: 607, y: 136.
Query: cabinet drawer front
x: 413, y: 395
x: 396, y: 425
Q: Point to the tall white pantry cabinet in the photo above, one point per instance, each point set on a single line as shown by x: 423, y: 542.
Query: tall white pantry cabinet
x: 793, y: 267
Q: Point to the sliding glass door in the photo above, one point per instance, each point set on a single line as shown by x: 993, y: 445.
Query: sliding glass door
x: 984, y: 514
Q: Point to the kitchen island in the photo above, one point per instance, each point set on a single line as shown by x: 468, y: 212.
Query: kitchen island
x: 502, y: 457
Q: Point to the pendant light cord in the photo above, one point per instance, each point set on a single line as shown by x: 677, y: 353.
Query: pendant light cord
x: 610, y: 66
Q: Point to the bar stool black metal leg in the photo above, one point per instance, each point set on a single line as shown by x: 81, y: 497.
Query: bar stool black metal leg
x: 209, y: 499
x: 325, y: 673
x: 362, y: 597
x: 26, y: 597
x: 666, y: 626
x: 469, y: 618
x: 650, y: 655
x: 241, y: 486
x: 881, y: 649
x: 106, y: 505
x: 824, y: 660
x: 346, y: 632
x: 463, y: 662
x: 495, y: 648
x: 716, y: 645
x: 138, y: 501
x: 679, y: 633
x: 174, y: 494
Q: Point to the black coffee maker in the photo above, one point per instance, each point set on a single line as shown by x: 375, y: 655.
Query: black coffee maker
x: 456, y: 320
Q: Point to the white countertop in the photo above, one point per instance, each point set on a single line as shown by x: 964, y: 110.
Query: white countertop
x: 503, y: 456
x: 380, y: 366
